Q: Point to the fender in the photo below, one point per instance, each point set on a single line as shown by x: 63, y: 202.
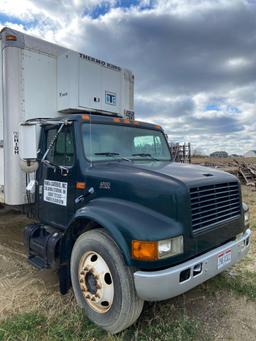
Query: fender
x: 124, y: 221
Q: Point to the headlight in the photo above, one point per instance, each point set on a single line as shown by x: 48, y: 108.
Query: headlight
x: 246, y: 215
x: 154, y: 250
x: 170, y: 247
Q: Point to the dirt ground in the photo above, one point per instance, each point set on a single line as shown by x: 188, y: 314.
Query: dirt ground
x: 226, y: 315
x: 21, y: 285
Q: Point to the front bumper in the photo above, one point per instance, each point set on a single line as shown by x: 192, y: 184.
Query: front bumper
x: 171, y: 282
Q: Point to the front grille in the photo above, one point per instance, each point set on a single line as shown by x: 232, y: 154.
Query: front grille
x: 213, y: 204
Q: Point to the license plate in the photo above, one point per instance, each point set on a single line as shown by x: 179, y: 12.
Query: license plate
x: 224, y: 258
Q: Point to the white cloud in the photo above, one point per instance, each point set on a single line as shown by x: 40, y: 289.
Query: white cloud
x: 186, y: 55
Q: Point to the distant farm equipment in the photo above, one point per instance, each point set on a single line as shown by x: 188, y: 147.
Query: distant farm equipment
x: 181, y: 152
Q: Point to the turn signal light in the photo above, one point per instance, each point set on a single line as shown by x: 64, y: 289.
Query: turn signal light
x: 153, y: 250
x: 144, y: 250
x: 80, y: 185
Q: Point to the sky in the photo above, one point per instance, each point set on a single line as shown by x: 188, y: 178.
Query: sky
x: 194, y: 61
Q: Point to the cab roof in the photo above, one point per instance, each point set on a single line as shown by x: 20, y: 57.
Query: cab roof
x: 110, y: 119
x: 94, y: 118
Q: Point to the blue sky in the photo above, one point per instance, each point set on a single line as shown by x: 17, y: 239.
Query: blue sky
x: 194, y: 65
x: 104, y: 7
x: 27, y: 24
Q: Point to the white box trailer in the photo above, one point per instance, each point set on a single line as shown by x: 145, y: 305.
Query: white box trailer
x: 39, y: 79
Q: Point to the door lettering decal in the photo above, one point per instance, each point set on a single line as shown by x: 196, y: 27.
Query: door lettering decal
x: 55, y: 192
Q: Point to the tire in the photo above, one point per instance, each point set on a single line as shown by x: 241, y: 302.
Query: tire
x: 103, y: 284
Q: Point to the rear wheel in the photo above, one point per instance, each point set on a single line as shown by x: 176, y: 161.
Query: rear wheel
x: 103, y: 283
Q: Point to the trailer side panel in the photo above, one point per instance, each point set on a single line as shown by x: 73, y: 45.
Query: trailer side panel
x: 1, y: 129
x: 39, y: 84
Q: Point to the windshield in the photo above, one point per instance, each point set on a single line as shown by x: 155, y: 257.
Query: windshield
x: 123, y: 142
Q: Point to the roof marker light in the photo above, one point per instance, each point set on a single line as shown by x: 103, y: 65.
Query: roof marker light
x: 10, y: 37
x: 86, y: 117
x: 116, y: 119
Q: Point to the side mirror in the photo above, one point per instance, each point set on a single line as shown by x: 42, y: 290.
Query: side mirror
x: 28, y: 141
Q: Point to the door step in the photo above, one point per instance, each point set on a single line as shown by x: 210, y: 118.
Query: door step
x: 37, y: 262
x: 42, y: 243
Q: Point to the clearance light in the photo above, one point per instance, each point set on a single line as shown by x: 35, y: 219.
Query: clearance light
x: 86, y: 117
x: 116, y: 119
x: 126, y: 120
x: 10, y: 37
x: 153, y: 250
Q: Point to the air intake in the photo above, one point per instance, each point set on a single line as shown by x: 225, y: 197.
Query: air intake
x: 214, y: 204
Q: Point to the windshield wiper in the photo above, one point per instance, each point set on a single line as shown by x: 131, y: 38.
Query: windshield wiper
x: 145, y: 155
x: 112, y: 154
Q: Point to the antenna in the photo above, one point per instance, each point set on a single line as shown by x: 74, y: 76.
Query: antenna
x: 91, y: 139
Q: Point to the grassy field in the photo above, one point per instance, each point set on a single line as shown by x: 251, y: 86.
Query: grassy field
x: 223, y: 308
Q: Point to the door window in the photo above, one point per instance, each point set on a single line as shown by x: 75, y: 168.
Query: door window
x: 62, y: 152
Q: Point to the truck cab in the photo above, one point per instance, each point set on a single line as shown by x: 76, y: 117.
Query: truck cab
x: 113, y: 181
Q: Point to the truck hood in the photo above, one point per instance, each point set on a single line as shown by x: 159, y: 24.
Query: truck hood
x: 164, y: 188
x: 160, y: 176
x: 186, y: 173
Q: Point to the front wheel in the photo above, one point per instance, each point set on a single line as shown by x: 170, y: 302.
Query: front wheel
x: 103, y: 283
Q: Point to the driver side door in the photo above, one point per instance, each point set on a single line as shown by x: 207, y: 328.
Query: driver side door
x: 56, y: 178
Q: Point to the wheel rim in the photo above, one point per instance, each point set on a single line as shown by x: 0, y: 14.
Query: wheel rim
x: 96, y: 282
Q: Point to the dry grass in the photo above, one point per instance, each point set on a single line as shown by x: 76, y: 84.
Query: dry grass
x: 249, y: 197
x: 226, y: 161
